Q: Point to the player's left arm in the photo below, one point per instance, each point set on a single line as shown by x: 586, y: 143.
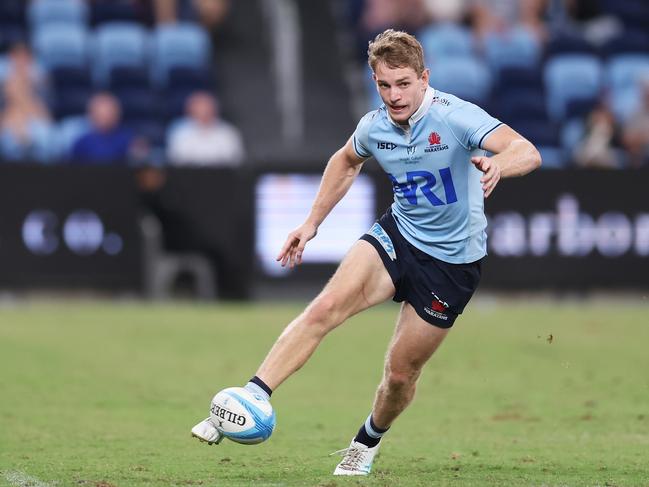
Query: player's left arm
x: 514, y: 155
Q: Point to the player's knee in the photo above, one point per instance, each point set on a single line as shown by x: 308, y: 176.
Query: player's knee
x: 400, y: 380
x: 324, y: 312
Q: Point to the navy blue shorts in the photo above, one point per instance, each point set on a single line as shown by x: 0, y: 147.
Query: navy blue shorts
x: 437, y: 290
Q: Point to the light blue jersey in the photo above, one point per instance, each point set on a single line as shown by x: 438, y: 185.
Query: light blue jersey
x: 438, y: 199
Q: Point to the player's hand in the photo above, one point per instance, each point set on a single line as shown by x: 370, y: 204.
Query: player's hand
x: 291, y: 252
x: 491, y: 174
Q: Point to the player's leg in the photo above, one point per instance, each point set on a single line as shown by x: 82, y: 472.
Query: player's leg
x: 360, y: 282
x: 413, y: 343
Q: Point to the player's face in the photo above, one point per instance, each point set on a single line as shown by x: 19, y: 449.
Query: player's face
x: 401, y: 90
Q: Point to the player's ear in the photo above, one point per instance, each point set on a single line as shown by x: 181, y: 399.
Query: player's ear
x: 425, y: 76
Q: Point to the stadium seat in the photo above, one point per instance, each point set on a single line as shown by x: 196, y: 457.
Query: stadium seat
x: 179, y: 45
x: 511, y: 78
x: 627, y: 70
x: 553, y: 157
x: 44, y: 12
x: 138, y: 103
x: 58, y: 45
x: 151, y: 129
x: 181, y: 77
x: 624, y: 103
x: 628, y: 42
x: 446, y: 40
x: 70, y: 101
x: 118, y: 44
x: 102, y: 11
x: 517, y: 48
x: 520, y: 104
x: 128, y: 77
x: 68, y: 132
x: 70, y: 77
x: 539, y: 132
x: 466, y: 77
x: 568, y: 44
x: 572, y: 132
x: 571, y: 77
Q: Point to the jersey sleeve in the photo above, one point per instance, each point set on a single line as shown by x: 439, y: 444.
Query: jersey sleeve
x: 360, y: 138
x: 471, y: 125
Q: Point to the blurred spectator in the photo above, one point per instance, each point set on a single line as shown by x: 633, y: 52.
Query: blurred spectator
x: 377, y: 15
x: 25, y: 126
x: 597, y: 145
x: 212, y: 13
x: 447, y: 10
x: 636, y: 131
x: 497, y: 16
x: 21, y: 64
x: 108, y: 141
x: 202, y: 138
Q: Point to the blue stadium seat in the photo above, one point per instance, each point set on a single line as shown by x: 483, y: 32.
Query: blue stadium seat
x: 571, y: 77
x: 70, y: 101
x: 553, y: 157
x: 151, y: 129
x: 70, y: 77
x: 118, y: 44
x: 466, y: 77
x: 520, y: 104
x: 517, y: 47
x: 444, y: 41
x: 58, y: 45
x: 102, y: 11
x: 138, y: 103
x: 44, y: 12
x: 539, y: 132
x: 625, y: 102
x: 632, y: 41
x: 568, y: 44
x: 68, y: 132
x: 179, y: 45
x: 572, y: 132
x: 181, y: 77
x: 519, y: 79
x: 627, y: 70
x: 12, y: 23
x: 128, y: 77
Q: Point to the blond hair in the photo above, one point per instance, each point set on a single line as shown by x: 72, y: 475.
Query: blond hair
x: 397, y: 49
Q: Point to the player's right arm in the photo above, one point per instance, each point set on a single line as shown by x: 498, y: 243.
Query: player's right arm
x: 338, y: 176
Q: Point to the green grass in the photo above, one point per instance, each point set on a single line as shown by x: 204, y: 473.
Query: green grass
x: 104, y: 395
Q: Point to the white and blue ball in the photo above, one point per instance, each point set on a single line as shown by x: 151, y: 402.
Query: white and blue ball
x: 242, y: 416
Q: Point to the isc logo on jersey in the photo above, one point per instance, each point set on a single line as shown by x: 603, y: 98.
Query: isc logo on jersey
x: 242, y: 416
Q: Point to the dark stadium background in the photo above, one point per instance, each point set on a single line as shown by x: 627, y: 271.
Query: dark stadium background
x: 291, y: 76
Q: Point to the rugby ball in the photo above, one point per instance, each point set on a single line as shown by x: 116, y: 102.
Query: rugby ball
x: 242, y: 416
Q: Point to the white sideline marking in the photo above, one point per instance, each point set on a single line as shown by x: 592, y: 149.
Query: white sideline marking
x: 21, y: 479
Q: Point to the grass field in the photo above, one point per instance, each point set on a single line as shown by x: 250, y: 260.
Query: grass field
x: 102, y: 395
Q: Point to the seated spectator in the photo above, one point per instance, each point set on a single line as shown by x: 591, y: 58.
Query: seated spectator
x: 202, y: 138
x: 635, y: 133
x: 597, y: 147
x: 21, y: 64
x: 108, y: 141
x: 25, y: 125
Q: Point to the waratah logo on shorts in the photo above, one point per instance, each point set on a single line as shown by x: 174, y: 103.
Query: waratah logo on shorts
x: 437, y: 307
x: 435, y: 143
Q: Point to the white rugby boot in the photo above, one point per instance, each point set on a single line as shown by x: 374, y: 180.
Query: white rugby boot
x: 357, y: 459
x: 207, y: 432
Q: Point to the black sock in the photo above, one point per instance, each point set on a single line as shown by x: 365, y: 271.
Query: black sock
x: 262, y: 384
x: 369, y: 434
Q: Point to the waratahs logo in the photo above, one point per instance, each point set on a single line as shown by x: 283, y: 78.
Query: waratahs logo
x: 435, y: 143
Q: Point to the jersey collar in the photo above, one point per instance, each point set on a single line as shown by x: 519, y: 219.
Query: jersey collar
x: 421, y: 111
